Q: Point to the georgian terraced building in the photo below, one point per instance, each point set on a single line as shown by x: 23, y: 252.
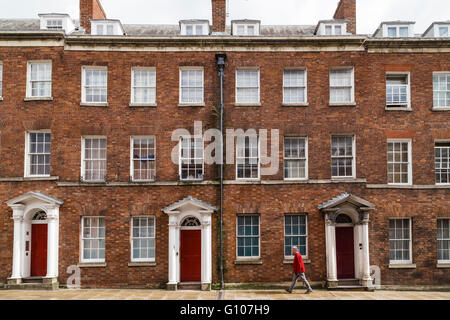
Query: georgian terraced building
x: 87, y: 181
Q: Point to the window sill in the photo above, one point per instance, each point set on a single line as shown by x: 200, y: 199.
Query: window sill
x: 237, y: 104
x: 248, y: 262
x: 343, y: 179
x: 91, y: 265
x: 85, y: 104
x: 1, y: 98
x: 405, y: 109
x: 25, y: 179
x: 346, y: 104
x: 142, y: 105
x: 142, y: 264
x: 291, y: 261
x: 38, y: 99
x: 440, y: 109
x: 191, y: 104
x: 402, y: 266
x: 443, y: 265
x: 295, y: 104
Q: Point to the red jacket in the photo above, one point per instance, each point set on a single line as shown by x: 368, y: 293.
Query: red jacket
x: 299, y: 267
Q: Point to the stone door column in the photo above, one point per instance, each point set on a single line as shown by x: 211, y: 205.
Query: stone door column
x: 330, y: 238
x: 18, y: 211
x: 53, y: 242
x: 173, y: 253
x: 366, y: 280
x: 206, y: 253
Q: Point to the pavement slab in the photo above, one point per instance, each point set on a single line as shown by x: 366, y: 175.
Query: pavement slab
x: 152, y: 294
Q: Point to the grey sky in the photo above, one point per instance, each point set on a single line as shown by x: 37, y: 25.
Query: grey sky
x: 369, y: 12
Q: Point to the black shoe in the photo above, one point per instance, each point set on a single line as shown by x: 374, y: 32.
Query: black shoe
x: 308, y: 291
x: 288, y: 291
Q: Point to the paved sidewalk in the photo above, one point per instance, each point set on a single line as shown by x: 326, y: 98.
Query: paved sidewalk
x: 147, y: 294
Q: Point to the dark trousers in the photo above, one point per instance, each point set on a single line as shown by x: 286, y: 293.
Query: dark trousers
x: 300, y: 275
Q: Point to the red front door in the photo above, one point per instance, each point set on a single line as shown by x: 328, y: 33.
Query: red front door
x: 190, y: 255
x: 345, y: 254
x: 38, y: 250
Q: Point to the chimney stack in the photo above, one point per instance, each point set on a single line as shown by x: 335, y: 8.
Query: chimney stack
x: 219, y: 16
x: 90, y: 9
x: 347, y: 10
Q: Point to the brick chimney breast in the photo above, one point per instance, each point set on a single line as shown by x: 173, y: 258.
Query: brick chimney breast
x: 219, y: 15
x: 90, y: 9
x: 347, y: 10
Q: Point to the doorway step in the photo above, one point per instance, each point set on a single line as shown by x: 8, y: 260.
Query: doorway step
x: 33, y: 283
x: 349, y: 285
x: 190, y: 286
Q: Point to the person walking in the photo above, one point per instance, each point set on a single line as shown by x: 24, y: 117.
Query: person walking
x: 299, y: 271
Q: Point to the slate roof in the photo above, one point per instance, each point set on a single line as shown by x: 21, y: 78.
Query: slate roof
x: 162, y: 29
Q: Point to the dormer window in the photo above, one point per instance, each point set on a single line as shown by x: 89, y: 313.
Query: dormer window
x: 395, y: 29
x: 194, y: 27
x: 107, y: 28
x: 245, y: 28
x: 331, y: 28
x: 438, y: 30
x: 56, y: 21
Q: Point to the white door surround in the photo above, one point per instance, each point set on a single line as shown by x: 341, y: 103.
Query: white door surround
x: 24, y: 208
x: 357, y: 210
x: 178, y: 212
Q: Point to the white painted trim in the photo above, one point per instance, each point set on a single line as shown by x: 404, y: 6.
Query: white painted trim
x: 290, y: 257
x: 259, y: 160
x: 258, y: 69
x: 410, y: 175
x: 82, y: 259
x: 131, y: 156
x: 27, y: 162
x: 408, y: 91
x: 133, y: 69
x: 259, y: 238
x: 131, y: 239
x: 28, y: 87
x: 179, y: 157
x: 353, y: 176
x: 439, y: 73
x: 306, y: 85
x: 352, y: 91
x: 306, y: 158
x: 83, y: 174
x: 186, y: 68
x: 83, y: 84
x: 402, y: 262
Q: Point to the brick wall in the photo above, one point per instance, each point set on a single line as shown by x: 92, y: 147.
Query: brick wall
x: 347, y: 10
x: 369, y: 121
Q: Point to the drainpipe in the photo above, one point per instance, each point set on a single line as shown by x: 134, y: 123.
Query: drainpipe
x: 221, y: 66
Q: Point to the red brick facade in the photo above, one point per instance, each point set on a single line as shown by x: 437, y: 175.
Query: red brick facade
x: 368, y: 121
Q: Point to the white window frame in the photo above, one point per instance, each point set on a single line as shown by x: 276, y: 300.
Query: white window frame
x: 27, y: 155
x: 259, y: 160
x: 259, y: 238
x: 306, y: 157
x: 246, y: 28
x: 180, y: 158
x: 82, y: 259
x: 83, y: 168
x: 353, y: 176
x: 440, y: 73
x: 410, y: 175
x: 397, y: 30
x: 442, y: 239
x: 434, y: 149
x: 132, y: 259
x: 323, y: 29
x: 195, y: 26
x: 305, y: 87
x: 410, y: 261
x: 133, y: 86
x: 408, y: 90
x: 180, y: 99
x: 54, y: 24
x: 289, y: 257
x: 29, y: 91
x: 132, y: 158
x: 438, y: 31
x: 83, y: 84
x: 352, y: 91
x: 257, y: 69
